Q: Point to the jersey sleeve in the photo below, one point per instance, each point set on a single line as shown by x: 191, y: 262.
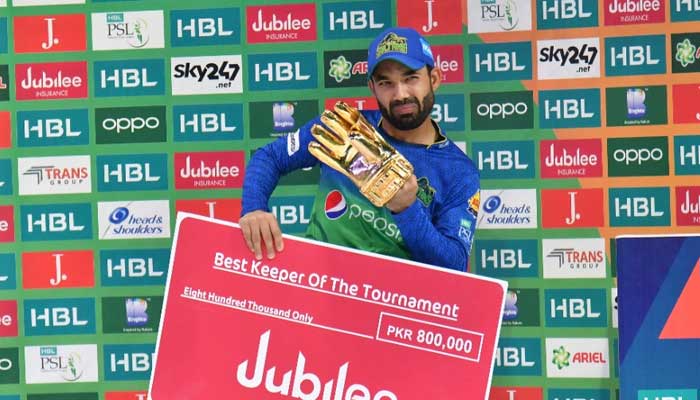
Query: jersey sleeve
x: 446, y: 240
x: 270, y: 162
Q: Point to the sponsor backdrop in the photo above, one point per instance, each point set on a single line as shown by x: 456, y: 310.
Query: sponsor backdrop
x: 659, y: 328
x: 581, y: 115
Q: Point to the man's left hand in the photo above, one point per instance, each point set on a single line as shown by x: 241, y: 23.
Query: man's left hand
x: 404, y: 197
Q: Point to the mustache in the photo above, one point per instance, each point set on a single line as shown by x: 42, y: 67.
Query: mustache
x: 409, y: 100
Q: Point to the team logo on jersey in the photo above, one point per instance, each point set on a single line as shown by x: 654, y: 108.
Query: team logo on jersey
x: 474, y: 203
x: 426, y: 193
x: 335, y: 205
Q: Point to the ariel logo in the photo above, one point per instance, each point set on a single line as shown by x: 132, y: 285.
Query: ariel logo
x: 561, y: 357
x: 340, y: 69
x: 426, y: 193
x: 392, y: 43
x: 686, y: 53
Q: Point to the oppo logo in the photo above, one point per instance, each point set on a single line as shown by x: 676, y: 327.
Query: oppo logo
x: 5, y: 364
x: 638, y: 156
x: 130, y: 124
x: 502, y: 110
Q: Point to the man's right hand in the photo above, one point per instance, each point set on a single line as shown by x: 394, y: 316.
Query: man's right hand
x: 261, y: 227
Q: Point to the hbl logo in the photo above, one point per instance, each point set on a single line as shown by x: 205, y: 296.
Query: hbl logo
x: 129, y: 78
x: 282, y: 71
x: 205, y: 27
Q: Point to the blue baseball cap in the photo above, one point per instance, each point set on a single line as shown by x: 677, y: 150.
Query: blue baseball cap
x: 403, y: 45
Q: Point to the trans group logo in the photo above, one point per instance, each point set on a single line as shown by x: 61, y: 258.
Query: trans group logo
x: 568, y: 58
x: 50, y: 33
x: 573, y: 258
x: 335, y: 205
x: 498, y: 16
x: 208, y: 27
x: 51, y: 81
x: 54, y: 175
x: 206, y: 75
x: 128, y: 30
x: 134, y: 220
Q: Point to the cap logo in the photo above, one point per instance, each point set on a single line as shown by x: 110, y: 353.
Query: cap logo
x: 392, y: 43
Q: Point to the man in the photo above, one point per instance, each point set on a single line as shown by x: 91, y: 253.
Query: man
x: 430, y: 219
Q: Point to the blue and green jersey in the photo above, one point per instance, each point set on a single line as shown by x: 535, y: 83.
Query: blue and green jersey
x: 437, y: 229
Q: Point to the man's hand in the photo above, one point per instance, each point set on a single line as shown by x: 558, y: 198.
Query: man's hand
x: 405, y: 196
x: 261, y: 227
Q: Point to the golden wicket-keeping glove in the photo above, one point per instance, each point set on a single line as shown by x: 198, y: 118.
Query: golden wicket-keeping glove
x: 352, y: 146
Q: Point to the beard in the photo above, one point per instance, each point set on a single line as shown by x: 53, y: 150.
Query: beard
x: 407, y: 122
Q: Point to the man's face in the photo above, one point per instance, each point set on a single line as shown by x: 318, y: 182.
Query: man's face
x: 405, y: 97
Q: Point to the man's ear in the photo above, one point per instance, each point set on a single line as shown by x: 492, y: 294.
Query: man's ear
x: 370, y: 85
x: 435, y: 78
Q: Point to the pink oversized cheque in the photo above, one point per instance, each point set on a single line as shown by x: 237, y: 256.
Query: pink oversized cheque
x: 318, y: 322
